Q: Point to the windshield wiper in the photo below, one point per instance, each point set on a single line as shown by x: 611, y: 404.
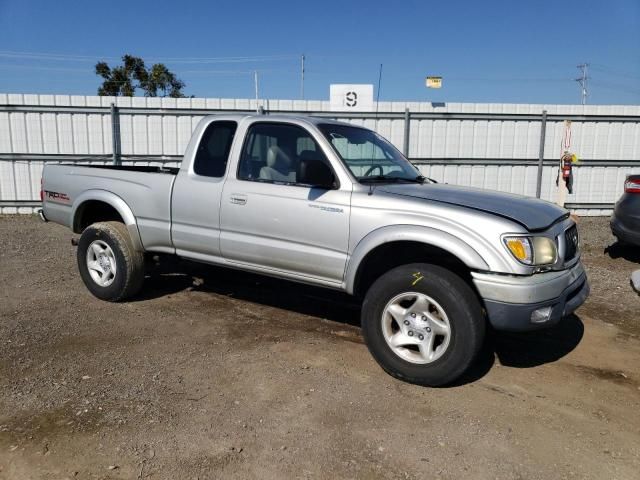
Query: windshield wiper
x: 384, y: 179
x: 423, y: 178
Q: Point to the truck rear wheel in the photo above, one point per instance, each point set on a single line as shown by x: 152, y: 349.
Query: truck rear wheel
x: 423, y: 324
x: 109, y: 265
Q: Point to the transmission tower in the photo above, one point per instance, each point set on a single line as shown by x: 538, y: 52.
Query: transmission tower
x: 582, y: 80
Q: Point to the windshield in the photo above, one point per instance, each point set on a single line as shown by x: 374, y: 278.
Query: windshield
x: 369, y: 156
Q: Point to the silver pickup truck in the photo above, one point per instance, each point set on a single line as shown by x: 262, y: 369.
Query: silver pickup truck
x: 334, y: 205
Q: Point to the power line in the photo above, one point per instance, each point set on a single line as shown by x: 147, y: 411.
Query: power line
x: 606, y: 69
x: 505, y: 79
x: 227, y: 59
x: 616, y: 87
x: 47, y: 69
x: 195, y: 60
x: 50, y: 56
x: 234, y: 72
x: 182, y: 72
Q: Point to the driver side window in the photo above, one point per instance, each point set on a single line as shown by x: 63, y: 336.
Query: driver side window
x: 278, y: 153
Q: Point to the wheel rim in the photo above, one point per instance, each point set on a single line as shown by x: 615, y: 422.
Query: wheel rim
x: 416, y: 328
x: 101, y: 263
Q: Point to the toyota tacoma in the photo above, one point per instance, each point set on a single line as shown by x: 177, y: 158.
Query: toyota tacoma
x: 334, y: 205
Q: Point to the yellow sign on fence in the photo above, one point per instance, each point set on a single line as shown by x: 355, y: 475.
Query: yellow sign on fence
x: 434, y: 82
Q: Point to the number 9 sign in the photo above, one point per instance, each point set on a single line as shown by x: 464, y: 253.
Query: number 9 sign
x: 351, y: 99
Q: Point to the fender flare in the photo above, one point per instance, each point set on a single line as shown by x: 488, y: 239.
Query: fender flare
x: 114, y: 201
x: 411, y: 233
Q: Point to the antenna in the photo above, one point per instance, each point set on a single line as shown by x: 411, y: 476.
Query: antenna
x: 255, y: 82
x: 378, y: 92
x: 302, y: 77
x: 582, y: 80
x: 375, y: 122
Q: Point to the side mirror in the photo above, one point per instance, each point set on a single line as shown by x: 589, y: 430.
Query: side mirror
x: 317, y: 174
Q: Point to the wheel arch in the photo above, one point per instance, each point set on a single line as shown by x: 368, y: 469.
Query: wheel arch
x: 101, y: 205
x: 389, y: 247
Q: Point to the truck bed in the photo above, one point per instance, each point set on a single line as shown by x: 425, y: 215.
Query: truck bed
x: 144, y: 190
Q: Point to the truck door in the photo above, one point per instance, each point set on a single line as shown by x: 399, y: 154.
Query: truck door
x: 195, y: 204
x: 271, y: 220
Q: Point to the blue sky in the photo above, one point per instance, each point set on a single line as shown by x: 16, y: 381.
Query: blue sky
x: 486, y: 51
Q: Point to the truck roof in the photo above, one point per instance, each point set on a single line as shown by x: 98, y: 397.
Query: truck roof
x: 278, y: 117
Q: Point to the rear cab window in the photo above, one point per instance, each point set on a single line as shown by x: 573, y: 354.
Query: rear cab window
x: 212, y: 155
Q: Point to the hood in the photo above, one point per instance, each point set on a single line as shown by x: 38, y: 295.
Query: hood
x: 532, y: 213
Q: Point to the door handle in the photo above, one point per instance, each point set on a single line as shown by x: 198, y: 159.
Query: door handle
x: 238, y: 199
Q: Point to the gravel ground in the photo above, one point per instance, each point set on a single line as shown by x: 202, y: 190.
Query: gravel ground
x: 609, y: 267
x: 218, y: 374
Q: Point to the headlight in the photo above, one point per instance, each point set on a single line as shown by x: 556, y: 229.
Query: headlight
x: 532, y: 250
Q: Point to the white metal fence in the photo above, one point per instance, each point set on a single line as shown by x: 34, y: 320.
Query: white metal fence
x: 492, y: 146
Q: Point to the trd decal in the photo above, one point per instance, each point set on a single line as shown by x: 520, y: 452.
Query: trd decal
x: 60, y: 197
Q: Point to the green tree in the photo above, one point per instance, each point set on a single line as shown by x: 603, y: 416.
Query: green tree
x: 159, y: 79
x: 123, y: 80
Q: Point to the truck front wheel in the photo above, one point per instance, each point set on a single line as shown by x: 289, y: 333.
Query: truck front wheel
x: 109, y: 265
x: 423, y: 324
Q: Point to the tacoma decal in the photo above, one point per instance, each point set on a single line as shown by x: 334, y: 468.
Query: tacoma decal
x: 327, y: 209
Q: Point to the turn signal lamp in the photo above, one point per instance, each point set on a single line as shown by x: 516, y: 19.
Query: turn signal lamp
x: 532, y: 250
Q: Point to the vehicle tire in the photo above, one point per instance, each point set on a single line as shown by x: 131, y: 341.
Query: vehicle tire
x: 423, y: 324
x: 109, y: 265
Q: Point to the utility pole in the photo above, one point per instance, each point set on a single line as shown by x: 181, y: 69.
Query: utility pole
x: 582, y: 80
x: 302, y: 78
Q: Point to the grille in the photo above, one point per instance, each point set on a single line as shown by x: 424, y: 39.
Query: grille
x: 571, y: 243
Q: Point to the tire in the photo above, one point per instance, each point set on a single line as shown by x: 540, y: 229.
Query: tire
x: 436, y: 347
x: 102, y: 246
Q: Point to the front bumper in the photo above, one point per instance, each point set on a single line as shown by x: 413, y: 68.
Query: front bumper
x: 511, y: 300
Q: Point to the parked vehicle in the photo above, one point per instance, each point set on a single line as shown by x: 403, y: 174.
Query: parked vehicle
x: 625, y: 221
x: 335, y: 205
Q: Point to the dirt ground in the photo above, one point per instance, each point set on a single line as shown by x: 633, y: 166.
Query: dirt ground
x: 217, y: 374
